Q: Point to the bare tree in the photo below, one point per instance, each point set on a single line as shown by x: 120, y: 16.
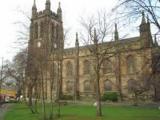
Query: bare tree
x: 131, y: 10
x: 23, y: 30
x: 1, y: 79
x: 5, y: 76
x: 2, y: 75
x: 97, y: 29
x: 17, y: 70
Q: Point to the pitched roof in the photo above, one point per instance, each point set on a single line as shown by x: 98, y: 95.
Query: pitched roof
x: 121, y: 41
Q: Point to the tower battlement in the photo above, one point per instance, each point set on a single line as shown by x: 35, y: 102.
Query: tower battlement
x: 43, y: 13
x: 46, y: 12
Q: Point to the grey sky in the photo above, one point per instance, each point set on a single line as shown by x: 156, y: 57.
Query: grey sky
x: 72, y: 10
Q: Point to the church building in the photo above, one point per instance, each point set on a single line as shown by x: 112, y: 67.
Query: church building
x: 55, y: 71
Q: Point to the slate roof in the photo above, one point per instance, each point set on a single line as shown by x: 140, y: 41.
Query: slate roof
x: 121, y: 41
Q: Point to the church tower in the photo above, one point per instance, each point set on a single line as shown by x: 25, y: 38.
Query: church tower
x: 47, y: 28
x: 46, y: 40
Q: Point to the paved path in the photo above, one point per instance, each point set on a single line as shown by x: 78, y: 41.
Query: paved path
x: 3, y: 109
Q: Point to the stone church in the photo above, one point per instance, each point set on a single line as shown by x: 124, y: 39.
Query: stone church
x: 58, y: 71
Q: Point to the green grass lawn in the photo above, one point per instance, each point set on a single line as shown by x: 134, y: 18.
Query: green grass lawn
x: 86, y: 112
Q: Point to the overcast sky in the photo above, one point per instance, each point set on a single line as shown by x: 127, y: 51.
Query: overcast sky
x: 72, y: 11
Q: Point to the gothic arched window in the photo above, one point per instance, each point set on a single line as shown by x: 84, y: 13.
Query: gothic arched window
x: 57, y: 31
x: 132, y: 84
x: 41, y: 29
x: 69, y: 69
x: 36, y: 30
x: 69, y: 86
x: 53, y: 75
x: 87, y: 67
x: 87, y: 86
x: 55, y: 69
x: 107, y: 85
x: 53, y: 30
x: 130, y: 64
x: 107, y: 67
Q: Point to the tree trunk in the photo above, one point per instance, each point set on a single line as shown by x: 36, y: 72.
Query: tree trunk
x: 30, y: 96
x: 98, y: 95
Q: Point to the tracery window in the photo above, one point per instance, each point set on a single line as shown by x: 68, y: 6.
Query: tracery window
x: 69, y: 86
x: 69, y: 69
x: 107, y: 85
x: 53, y: 75
x: 87, y: 85
x: 55, y: 69
x: 132, y: 84
x: 36, y: 30
x: 87, y: 67
x: 107, y: 67
x: 53, y: 30
x: 41, y: 29
x: 57, y: 31
x: 130, y: 64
